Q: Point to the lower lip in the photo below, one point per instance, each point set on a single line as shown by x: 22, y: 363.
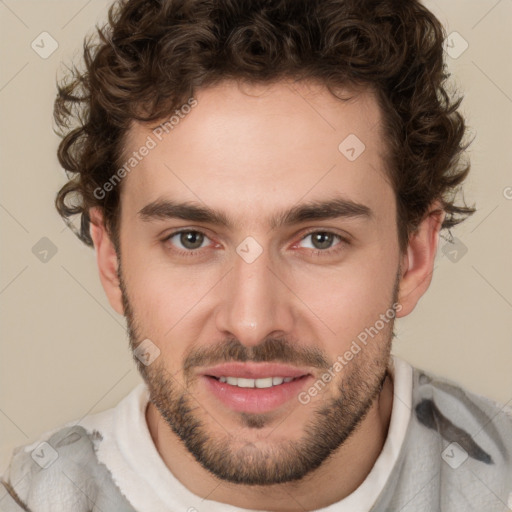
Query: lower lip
x: 256, y: 400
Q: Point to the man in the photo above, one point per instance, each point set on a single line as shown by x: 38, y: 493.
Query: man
x: 264, y: 183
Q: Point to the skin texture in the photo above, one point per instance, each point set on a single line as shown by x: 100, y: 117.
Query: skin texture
x: 252, y: 152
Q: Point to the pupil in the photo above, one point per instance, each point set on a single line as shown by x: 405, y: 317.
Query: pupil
x: 322, y: 240
x: 192, y: 239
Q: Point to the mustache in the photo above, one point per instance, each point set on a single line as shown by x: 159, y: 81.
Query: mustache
x: 270, y: 351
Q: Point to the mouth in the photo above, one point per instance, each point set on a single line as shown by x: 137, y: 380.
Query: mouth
x: 255, y: 387
x: 265, y: 382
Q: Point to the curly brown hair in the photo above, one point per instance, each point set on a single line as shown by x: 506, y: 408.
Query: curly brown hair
x: 152, y: 55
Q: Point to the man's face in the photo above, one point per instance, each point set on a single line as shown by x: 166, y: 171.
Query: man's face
x: 263, y: 290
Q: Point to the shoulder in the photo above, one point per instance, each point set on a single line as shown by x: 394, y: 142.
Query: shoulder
x: 439, y: 402
x: 457, y: 451
x: 61, y: 468
x: 470, y: 442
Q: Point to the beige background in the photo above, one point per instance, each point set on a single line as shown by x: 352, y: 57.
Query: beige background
x: 64, y: 352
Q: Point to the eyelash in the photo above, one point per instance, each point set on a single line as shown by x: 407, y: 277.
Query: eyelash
x: 315, y: 252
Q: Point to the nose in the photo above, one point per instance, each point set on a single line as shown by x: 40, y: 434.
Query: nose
x: 255, y: 302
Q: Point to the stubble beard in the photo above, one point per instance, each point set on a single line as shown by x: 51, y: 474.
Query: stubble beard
x: 235, y: 460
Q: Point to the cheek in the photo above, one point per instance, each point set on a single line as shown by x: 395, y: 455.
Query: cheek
x: 348, y: 298
x: 165, y: 298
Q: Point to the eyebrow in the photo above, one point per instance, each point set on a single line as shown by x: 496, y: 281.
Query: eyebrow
x: 335, y: 208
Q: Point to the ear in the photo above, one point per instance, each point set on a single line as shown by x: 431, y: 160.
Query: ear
x: 418, y: 261
x: 107, y: 260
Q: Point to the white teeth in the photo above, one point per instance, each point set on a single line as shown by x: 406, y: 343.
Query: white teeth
x: 266, y: 382
x: 245, y: 383
x: 263, y: 383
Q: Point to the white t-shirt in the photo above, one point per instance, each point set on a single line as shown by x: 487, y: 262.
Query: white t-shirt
x: 113, y: 455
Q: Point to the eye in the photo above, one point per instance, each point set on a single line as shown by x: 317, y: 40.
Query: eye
x: 189, y: 240
x: 321, y: 240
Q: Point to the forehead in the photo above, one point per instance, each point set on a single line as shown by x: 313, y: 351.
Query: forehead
x: 243, y: 146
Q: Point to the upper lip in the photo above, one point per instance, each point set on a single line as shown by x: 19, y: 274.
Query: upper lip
x: 254, y: 370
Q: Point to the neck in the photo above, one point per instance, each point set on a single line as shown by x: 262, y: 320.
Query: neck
x: 340, y: 475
